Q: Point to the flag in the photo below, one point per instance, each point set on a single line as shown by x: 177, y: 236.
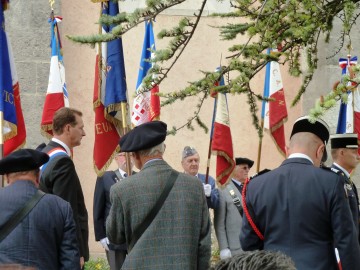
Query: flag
x: 221, y: 141
x: 109, y: 93
x: 146, y: 106
x: 14, y: 131
x: 274, y: 113
x: 56, y: 94
x: 349, y: 113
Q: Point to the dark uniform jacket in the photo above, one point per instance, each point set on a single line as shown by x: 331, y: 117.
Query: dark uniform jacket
x: 46, y: 238
x: 60, y: 178
x: 179, y: 235
x: 352, y: 195
x: 303, y: 212
x: 102, y: 206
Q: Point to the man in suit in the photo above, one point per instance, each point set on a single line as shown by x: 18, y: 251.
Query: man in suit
x: 59, y: 176
x: 344, y: 151
x: 45, y: 238
x: 190, y: 162
x: 300, y: 209
x: 177, y: 236
x: 228, y: 216
x: 115, y: 253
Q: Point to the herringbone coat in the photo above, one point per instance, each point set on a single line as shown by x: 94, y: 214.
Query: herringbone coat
x: 178, y: 237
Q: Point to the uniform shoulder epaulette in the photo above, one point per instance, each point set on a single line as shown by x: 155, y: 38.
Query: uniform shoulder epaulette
x: 339, y: 172
x: 260, y: 173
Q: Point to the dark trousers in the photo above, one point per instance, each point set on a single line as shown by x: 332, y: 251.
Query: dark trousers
x: 115, y: 258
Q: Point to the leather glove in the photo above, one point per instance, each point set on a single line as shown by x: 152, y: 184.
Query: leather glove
x: 207, y: 190
x: 104, y: 242
x: 225, y: 253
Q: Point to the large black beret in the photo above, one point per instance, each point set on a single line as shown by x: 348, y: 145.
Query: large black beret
x: 143, y: 137
x: 241, y: 160
x: 23, y: 160
x: 347, y: 140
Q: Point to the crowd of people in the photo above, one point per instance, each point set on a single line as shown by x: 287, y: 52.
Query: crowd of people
x: 301, y: 215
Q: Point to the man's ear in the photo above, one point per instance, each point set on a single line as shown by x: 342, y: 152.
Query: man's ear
x: 320, y: 151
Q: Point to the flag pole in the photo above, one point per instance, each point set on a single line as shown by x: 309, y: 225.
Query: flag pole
x: 124, y: 113
x: 210, y: 143
x: 260, y: 147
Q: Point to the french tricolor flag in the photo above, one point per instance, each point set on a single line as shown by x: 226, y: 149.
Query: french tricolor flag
x: 56, y: 94
x: 349, y: 114
x: 274, y: 113
x: 222, y: 141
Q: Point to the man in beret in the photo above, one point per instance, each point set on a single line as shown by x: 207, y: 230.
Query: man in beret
x: 45, y: 238
x: 172, y: 234
x: 115, y: 254
x: 300, y: 209
x: 59, y: 176
x: 344, y: 152
x: 228, y: 216
x: 190, y: 162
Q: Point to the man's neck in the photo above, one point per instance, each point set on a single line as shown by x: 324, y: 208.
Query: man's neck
x: 63, y: 144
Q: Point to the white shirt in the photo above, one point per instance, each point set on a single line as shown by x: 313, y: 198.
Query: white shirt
x: 67, y: 149
x: 344, y: 171
x: 300, y: 155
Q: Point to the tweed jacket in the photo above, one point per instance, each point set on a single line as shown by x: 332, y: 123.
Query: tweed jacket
x: 60, y: 178
x: 352, y: 196
x: 46, y: 238
x: 213, y: 200
x: 227, y: 220
x: 303, y: 212
x: 179, y: 235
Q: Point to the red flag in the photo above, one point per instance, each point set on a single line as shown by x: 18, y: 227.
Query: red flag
x: 222, y: 142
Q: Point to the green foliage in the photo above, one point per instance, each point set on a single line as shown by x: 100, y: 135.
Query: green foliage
x: 97, y: 264
x: 296, y: 25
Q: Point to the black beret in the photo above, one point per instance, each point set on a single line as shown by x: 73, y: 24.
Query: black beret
x: 23, y: 160
x: 318, y: 128
x: 143, y: 137
x: 347, y: 140
x: 241, y: 160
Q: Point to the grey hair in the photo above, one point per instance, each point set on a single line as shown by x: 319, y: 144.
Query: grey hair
x: 257, y: 260
x: 155, y: 150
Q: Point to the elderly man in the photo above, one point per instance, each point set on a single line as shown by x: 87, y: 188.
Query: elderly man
x: 344, y: 151
x: 59, y: 176
x: 190, y: 163
x: 228, y: 216
x: 300, y: 209
x: 36, y: 230
x: 115, y: 253
x: 159, y: 213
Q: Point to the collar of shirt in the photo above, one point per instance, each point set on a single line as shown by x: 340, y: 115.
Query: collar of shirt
x: 67, y: 149
x: 300, y: 155
x: 343, y: 170
x: 122, y: 173
x: 236, y: 182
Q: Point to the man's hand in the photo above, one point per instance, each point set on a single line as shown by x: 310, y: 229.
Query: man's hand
x: 105, y: 242
x: 225, y: 253
x: 207, y: 190
x: 82, y: 262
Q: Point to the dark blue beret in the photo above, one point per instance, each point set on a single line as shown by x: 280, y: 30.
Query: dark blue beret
x: 319, y: 128
x: 143, y: 137
x: 241, y: 160
x: 23, y: 160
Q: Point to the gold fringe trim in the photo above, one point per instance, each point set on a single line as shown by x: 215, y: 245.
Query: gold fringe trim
x: 102, y: 170
x: 44, y: 130
x: 13, y: 130
x: 227, y: 171
x: 99, y: 1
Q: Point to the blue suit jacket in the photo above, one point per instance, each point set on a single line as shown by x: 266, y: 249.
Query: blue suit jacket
x: 46, y: 238
x: 213, y: 200
x: 303, y: 212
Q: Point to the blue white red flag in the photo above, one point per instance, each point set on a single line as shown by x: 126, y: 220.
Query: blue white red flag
x: 146, y: 106
x: 56, y: 94
x: 222, y: 141
x: 274, y: 113
x: 349, y: 113
x: 14, y: 131
x: 109, y: 92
